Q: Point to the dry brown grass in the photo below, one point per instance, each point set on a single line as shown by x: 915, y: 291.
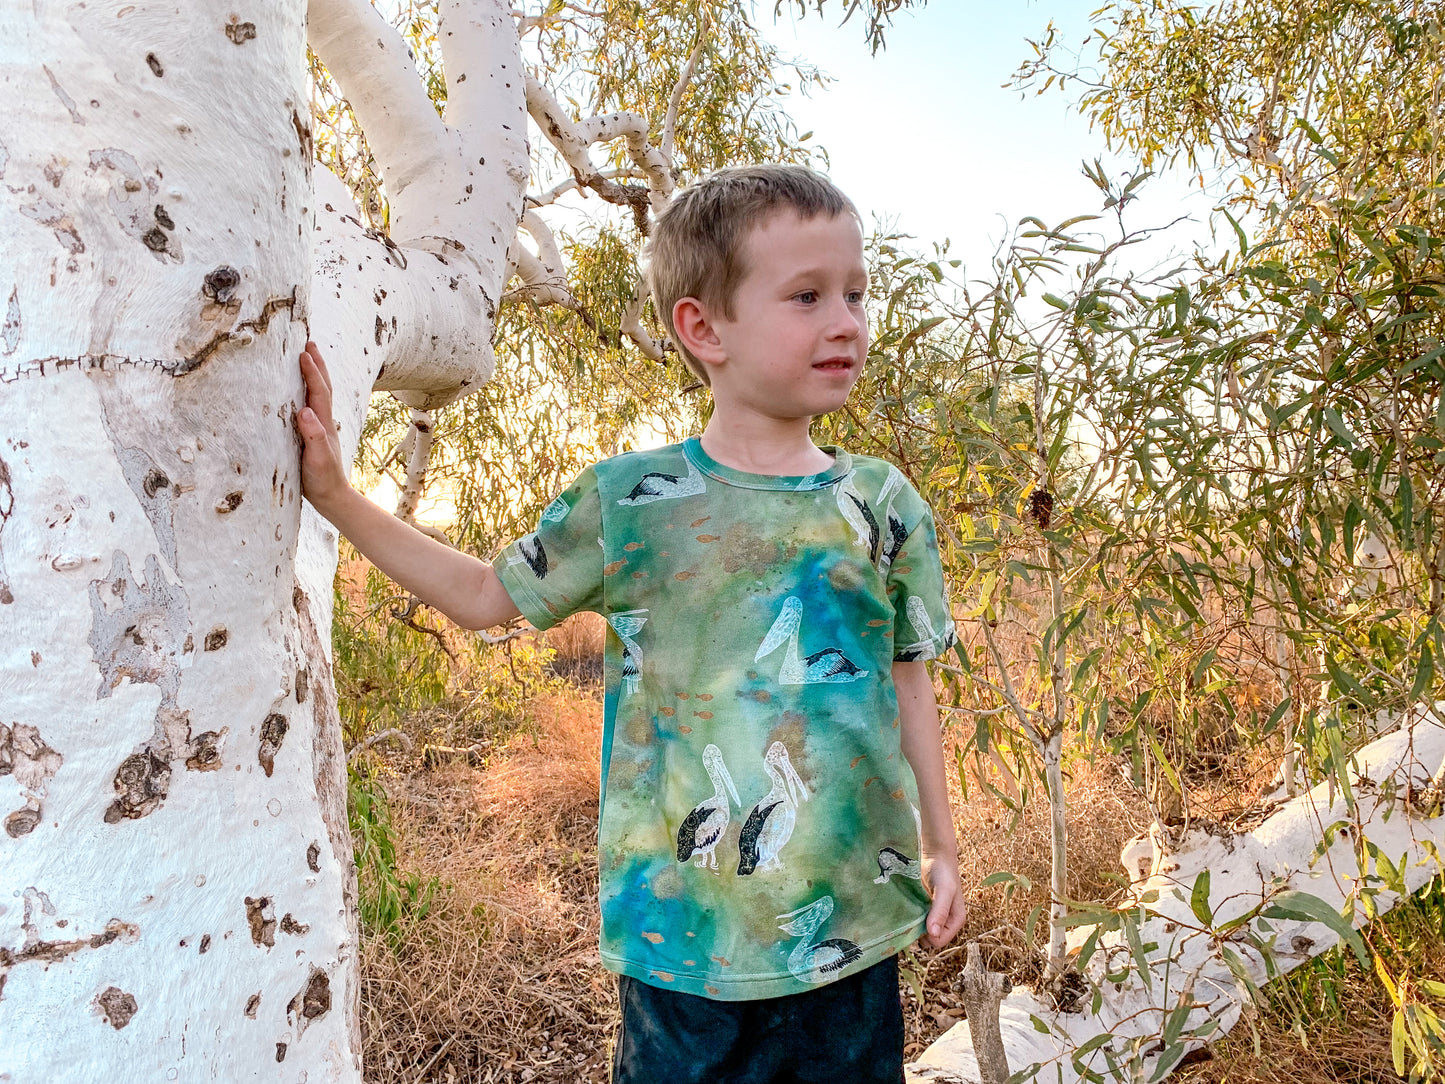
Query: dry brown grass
x: 500, y: 981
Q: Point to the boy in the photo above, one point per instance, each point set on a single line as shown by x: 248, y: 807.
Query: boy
x: 764, y: 851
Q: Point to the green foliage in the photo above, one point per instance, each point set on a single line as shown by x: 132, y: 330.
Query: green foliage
x: 389, y: 898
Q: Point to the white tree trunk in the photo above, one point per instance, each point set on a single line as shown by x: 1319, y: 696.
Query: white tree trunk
x: 176, y: 884
x: 1187, y: 966
x: 175, y: 871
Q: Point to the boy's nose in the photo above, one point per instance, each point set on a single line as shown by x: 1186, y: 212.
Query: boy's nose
x: 845, y: 322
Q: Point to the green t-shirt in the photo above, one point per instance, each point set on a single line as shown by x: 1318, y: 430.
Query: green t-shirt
x: 759, y: 828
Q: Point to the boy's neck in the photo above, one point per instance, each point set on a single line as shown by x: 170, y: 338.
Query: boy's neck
x: 783, y: 449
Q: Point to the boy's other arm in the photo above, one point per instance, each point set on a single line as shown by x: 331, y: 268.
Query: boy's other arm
x: 465, y: 589
x: 922, y: 740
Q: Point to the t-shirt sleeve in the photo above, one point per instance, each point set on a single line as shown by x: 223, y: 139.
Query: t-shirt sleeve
x: 923, y: 620
x: 556, y: 570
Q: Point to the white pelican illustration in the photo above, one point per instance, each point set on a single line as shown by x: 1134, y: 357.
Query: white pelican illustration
x: 829, y: 665
x: 658, y: 486
x: 821, y: 961
x: 923, y: 625
x: 627, y: 625
x: 859, y: 516
x: 703, y: 828
x: 769, y: 824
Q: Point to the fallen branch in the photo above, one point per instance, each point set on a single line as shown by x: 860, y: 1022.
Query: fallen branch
x: 1223, y: 914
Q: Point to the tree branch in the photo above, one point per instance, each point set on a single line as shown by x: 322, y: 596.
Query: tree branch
x: 371, y: 64
x: 421, y: 442
x: 669, y: 126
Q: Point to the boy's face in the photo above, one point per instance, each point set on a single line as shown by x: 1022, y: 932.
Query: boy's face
x: 795, y: 344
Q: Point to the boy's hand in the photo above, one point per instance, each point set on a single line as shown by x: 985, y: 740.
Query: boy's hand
x: 323, y: 474
x: 946, y: 915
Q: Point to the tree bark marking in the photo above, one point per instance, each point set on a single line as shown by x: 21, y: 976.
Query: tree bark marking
x: 10, y: 330
x: 261, y: 917
x: 312, y: 1002
x: 24, y: 754
x: 116, y: 1006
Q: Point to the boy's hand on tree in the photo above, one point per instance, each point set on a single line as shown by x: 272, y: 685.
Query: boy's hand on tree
x: 323, y: 475
x: 949, y: 909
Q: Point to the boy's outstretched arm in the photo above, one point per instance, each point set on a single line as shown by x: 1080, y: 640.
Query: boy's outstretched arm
x: 465, y: 589
x: 923, y: 747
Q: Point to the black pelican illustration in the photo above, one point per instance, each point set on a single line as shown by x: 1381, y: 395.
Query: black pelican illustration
x: 892, y: 862
x: 532, y: 552
x: 769, y: 824
x: 627, y: 624
x: 829, y: 665
x: 859, y: 516
x: 897, y: 530
x: 703, y: 828
x: 818, y: 962
x: 659, y: 486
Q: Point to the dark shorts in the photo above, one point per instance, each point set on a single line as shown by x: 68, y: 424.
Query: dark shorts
x: 850, y: 1030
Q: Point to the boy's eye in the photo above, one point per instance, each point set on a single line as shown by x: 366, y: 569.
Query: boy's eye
x: 808, y: 297
x: 855, y: 297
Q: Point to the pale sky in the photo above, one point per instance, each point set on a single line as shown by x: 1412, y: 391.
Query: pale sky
x: 925, y: 133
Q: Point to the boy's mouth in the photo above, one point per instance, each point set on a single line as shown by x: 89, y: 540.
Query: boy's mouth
x: 834, y: 364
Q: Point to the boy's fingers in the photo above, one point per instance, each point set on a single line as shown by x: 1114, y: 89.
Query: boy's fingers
x: 946, y: 916
x: 313, y: 368
x: 318, y: 391
x: 310, y: 425
x: 315, y: 352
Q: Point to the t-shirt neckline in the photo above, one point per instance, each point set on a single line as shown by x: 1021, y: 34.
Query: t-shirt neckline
x: 696, y: 455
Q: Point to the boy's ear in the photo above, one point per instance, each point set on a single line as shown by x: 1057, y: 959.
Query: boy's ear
x: 693, y: 321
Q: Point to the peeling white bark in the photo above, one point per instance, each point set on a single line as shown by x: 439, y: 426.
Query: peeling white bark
x: 175, y: 900
x: 1188, y: 965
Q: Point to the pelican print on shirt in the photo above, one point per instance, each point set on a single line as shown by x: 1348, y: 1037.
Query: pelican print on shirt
x: 661, y: 486
x: 769, y: 824
x: 897, y: 529
x: 927, y: 644
x: 892, y: 861
x: 829, y: 665
x: 627, y: 625
x: 529, y: 551
x: 703, y: 828
x: 859, y: 516
x: 816, y: 961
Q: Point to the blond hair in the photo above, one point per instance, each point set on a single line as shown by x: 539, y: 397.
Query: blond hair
x: 697, y: 247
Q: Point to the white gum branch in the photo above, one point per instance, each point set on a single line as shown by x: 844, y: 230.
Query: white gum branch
x: 669, y: 126
x: 553, y: 194
x: 632, y: 326
x: 416, y: 465
x: 417, y: 325
x: 573, y: 140
x: 425, y: 298
x: 371, y: 63
x: 633, y: 128
x: 1188, y: 962
x: 542, y: 275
